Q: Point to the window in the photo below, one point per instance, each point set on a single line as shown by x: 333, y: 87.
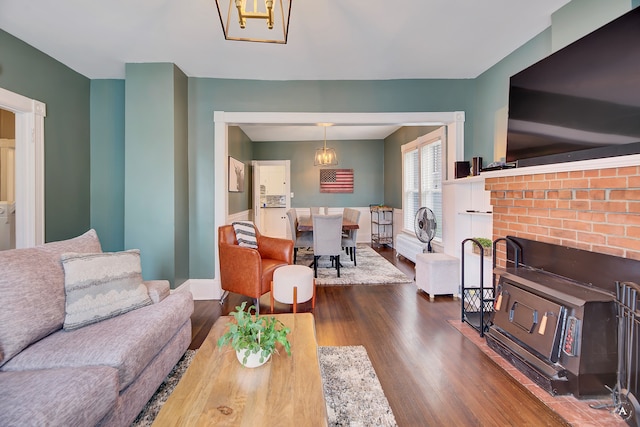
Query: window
x: 422, y: 170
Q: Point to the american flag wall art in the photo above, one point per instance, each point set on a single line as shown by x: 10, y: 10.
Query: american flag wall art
x: 336, y: 180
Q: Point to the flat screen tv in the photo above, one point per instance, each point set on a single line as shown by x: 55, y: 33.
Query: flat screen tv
x: 582, y: 102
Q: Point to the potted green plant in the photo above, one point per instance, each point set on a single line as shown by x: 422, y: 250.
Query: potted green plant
x: 254, y: 338
x: 486, y: 246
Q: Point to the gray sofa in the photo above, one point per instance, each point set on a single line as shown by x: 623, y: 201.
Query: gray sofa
x: 99, y: 374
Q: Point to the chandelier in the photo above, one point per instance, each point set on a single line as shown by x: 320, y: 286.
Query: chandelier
x: 265, y: 21
x: 325, y: 156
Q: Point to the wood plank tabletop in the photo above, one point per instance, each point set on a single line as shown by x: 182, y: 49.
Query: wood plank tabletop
x: 305, y: 223
x: 217, y: 390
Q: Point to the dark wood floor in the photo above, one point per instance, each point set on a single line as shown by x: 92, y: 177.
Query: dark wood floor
x: 431, y: 374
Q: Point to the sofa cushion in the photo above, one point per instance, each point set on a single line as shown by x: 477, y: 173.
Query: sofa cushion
x: 102, y: 285
x: 245, y: 234
x: 57, y: 397
x: 32, y: 291
x: 127, y: 342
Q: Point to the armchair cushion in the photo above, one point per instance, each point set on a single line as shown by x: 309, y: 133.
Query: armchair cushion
x: 101, y: 285
x: 245, y: 234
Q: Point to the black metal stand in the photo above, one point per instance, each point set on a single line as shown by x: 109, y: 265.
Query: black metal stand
x: 477, y: 301
x: 626, y: 390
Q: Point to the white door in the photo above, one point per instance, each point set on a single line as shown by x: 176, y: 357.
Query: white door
x: 271, y: 196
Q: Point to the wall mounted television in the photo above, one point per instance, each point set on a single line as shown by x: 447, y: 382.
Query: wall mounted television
x: 582, y: 102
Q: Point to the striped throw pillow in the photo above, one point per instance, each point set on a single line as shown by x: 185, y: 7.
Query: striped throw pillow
x: 99, y: 286
x: 245, y: 234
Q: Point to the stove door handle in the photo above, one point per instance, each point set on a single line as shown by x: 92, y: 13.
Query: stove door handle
x: 534, y: 317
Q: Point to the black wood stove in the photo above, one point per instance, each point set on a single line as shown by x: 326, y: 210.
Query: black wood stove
x: 555, y: 316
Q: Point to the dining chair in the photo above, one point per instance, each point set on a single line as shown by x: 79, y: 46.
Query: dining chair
x: 350, y: 237
x: 316, y: 210
x: 327, y: 240
x: 301, y: 239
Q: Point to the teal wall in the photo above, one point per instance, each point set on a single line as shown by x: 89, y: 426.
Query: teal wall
x: 181, y: 177
x: 576, y: 19
x: 241, y: 148
x: 30, y: 73
x: 365, y: 157
x: 156, y: 193
x: 107, y: 162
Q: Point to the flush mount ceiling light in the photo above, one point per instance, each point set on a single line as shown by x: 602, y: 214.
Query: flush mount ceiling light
x: 325, y: 156
x: 265, y: 21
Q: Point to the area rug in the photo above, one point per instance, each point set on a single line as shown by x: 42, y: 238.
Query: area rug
x: 372, y: 269
x: 352, y: 391
x: 151, y: 409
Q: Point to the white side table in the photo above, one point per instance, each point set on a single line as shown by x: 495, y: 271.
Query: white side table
x: 438, y: 274
x: 293, y: 284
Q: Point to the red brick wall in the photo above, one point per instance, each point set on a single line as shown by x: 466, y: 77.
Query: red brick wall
x: 595, y: 210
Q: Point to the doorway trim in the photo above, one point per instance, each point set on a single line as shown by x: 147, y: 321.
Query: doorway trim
x: 454, y: 121
x: 30, y: 115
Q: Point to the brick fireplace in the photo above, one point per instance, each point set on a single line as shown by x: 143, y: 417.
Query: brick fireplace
x: 578, y: 231
x: 596, y: 210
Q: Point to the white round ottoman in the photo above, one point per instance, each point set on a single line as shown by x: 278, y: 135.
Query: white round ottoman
x: 293, y: 284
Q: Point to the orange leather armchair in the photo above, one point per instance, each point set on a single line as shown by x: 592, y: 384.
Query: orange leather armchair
x: 248, y: 271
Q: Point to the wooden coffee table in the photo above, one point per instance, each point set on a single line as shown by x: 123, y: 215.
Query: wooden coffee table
x: 217, y: 390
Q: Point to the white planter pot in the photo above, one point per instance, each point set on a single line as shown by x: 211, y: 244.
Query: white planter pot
x: 253, y: 361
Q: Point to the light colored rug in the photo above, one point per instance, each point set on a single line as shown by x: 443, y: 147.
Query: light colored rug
x: 372, y: 269
x: 352, y: 391
x: 151, y: 409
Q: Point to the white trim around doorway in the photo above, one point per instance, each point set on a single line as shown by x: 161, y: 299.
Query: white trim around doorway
x: 222, y: 120
x: 29, y: 167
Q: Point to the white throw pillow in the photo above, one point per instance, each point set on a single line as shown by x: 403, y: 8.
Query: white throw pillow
x: 101, y: 285
x: 245, y: 234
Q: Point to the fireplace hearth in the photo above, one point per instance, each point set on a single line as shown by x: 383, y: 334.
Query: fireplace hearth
x: 555, y: 316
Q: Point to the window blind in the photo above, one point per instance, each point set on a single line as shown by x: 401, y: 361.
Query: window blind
x: 422, y: 183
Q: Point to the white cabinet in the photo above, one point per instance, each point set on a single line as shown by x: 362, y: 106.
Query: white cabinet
x: 274, y: 222
x: 469, y: 214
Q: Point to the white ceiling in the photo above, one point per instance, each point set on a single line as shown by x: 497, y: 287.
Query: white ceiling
x: 328, y: 40
x: 316, y: 133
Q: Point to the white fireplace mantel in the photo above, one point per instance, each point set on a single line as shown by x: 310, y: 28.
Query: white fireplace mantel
x: 581, y: 165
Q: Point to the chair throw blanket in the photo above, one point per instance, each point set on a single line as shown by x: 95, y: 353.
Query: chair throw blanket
x: 245, y: 234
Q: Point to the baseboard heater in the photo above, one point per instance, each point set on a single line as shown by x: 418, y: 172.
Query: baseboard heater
x: 408, y: 246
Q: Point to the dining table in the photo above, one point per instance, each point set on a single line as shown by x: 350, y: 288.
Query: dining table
x: 305, y: 223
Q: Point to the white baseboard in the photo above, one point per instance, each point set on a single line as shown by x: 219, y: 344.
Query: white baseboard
x: 182, y: 288
x: 203, y: 289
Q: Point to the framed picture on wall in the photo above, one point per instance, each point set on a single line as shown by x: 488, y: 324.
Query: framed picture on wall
x: 336, y: 180
x: 236, y: 175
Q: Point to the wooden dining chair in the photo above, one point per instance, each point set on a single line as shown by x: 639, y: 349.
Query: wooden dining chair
x: 327, y: 240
